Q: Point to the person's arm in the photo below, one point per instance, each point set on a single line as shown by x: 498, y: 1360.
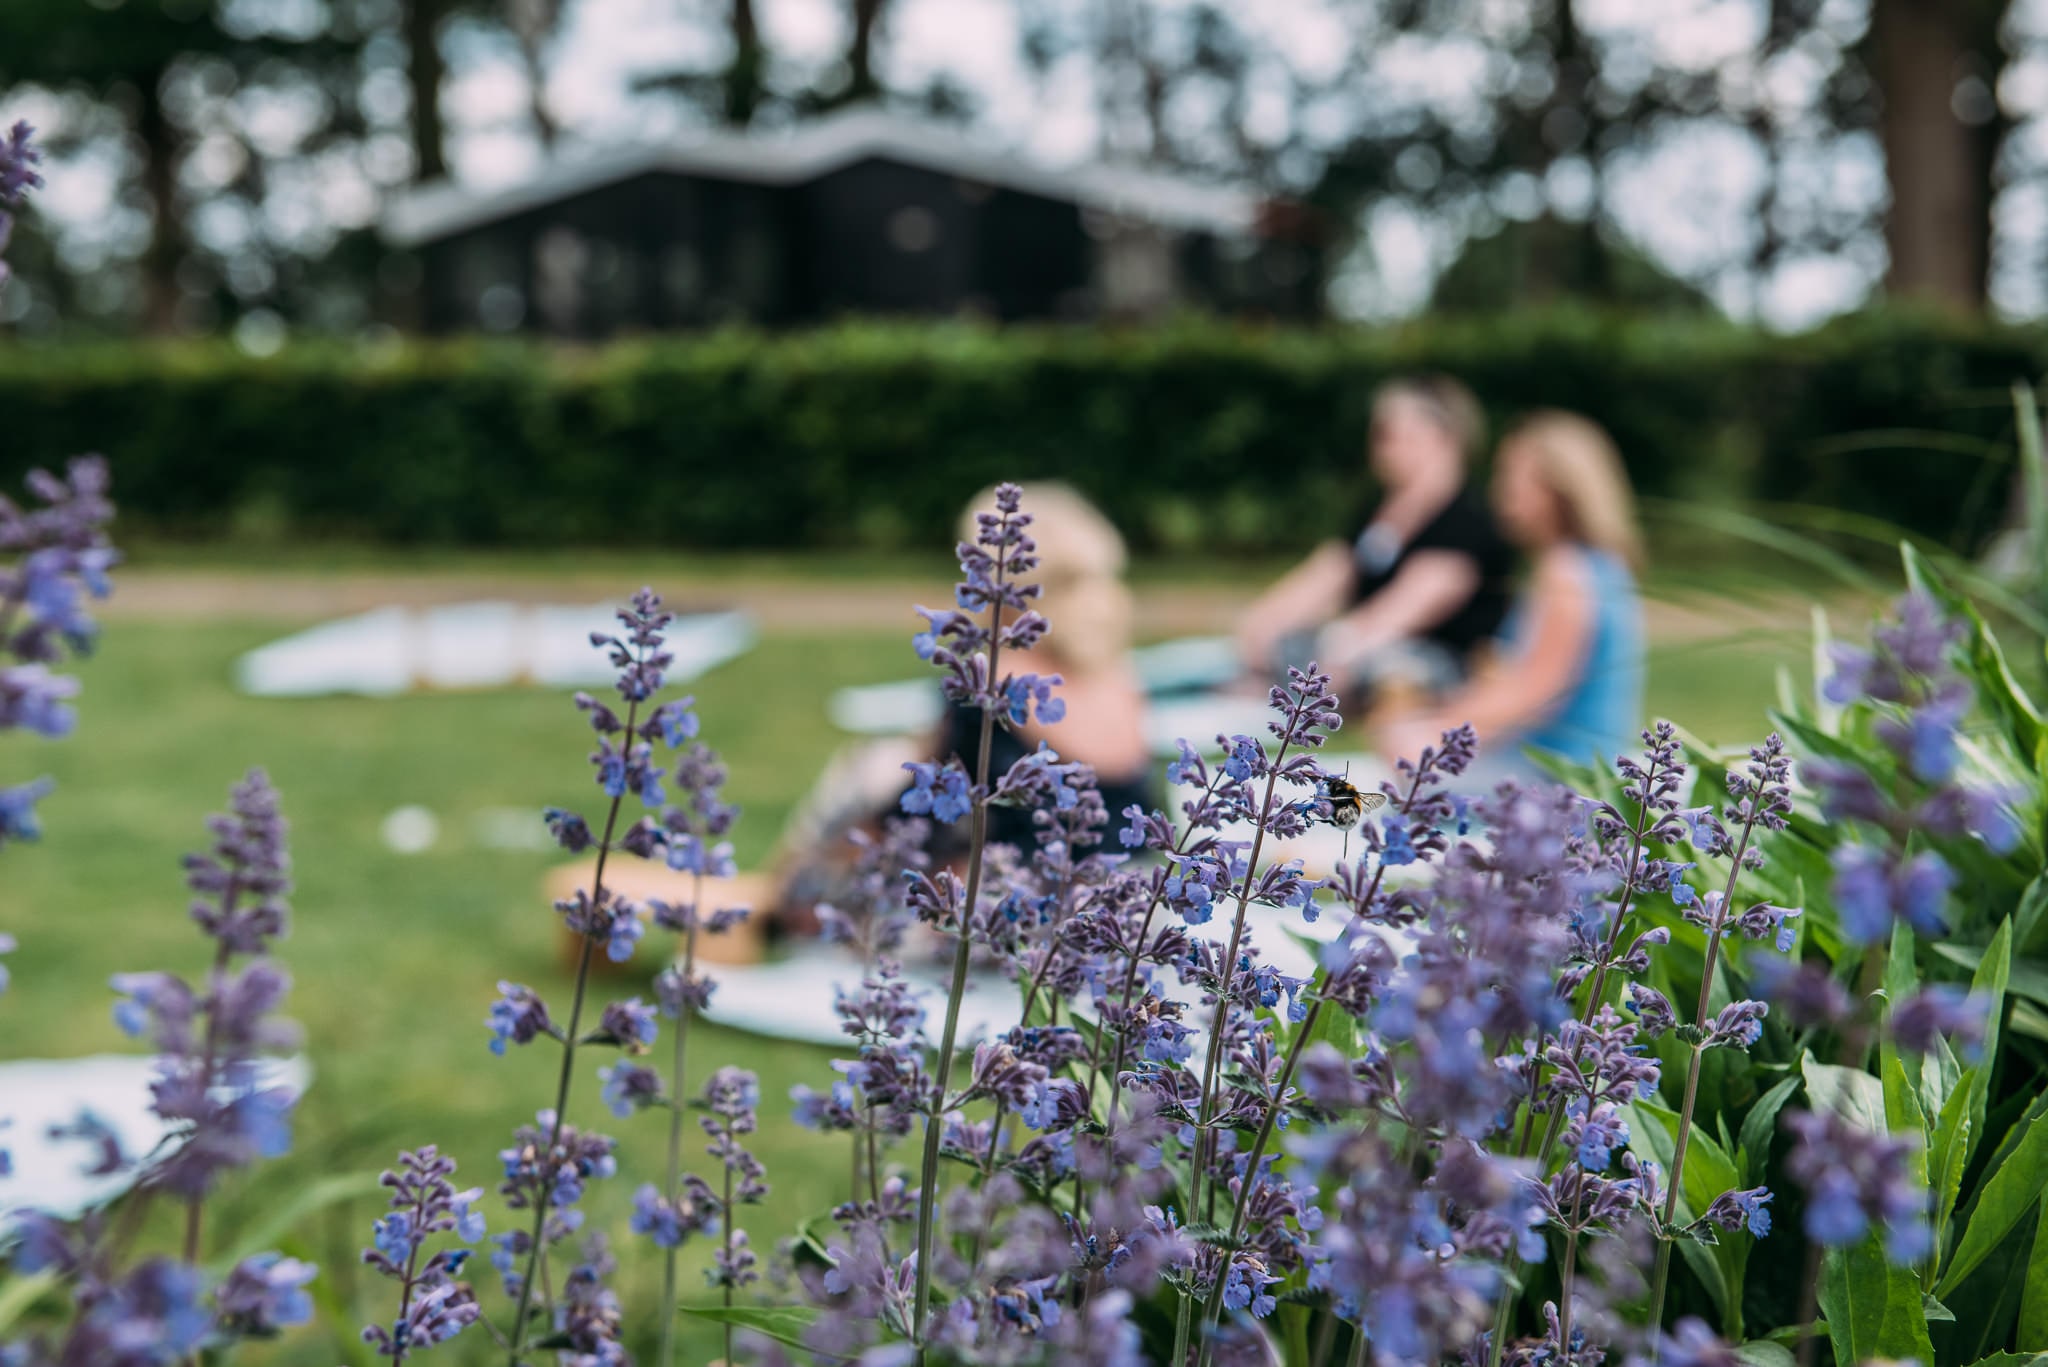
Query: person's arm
x: 1309, y: 594
x: 1529, y: 686
x: 1430, y: 586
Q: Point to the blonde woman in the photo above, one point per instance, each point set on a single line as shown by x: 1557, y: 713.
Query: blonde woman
x: 1570, y: 676
x: 1081, y: 560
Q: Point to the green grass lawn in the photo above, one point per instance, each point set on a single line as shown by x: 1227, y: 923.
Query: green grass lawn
x: 396, y: 957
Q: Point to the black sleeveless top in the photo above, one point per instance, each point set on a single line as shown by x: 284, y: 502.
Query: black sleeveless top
x: 1464, y: 526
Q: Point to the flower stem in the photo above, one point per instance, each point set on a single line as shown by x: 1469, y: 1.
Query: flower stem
x: 541, y: 1206
x: 675, y: 1119
x: 1564, y: 1295
x: 1215, y: 1052
x: 1294, y: 1052
x: 928, y: 1193
x: 1661, y: 1277
x: 725, y: 1209
x: 1505, y: 1307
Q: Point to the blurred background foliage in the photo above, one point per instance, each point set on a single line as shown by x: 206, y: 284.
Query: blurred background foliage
x: 1201, y: 437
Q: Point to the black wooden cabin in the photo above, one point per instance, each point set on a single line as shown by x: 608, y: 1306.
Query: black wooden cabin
x: 861, y: 213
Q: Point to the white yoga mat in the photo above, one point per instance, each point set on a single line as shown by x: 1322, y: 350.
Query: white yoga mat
x: 393, y: 650
x: 49, y: 1174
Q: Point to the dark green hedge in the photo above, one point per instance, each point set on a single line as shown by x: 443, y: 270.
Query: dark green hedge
x: 1193, y: 435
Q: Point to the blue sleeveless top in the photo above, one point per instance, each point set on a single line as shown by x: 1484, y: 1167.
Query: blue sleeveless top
x: 1600, y: 714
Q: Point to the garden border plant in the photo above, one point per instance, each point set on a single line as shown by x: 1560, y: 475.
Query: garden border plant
x: 1444, y: 1143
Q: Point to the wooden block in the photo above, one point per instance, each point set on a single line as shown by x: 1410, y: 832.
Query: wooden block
x: 641, y: 880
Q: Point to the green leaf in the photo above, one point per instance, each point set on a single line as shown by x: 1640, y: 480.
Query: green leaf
x: 1765, y: 1353
x: 1849, y: 1092
x: 1947, y: 1158
x: 1902, y: 1110
x: 1990, y: 981
x: 1935, y: 1310
x: 268, y: 1232
x: 2033, y: 1327
x: 1761, y: 1123
x: 1708, y: 1172
x: 18, y: 1294
x: 2024, y: 979
x: 2012, y: 1360
x: 1900, y: 975
x: 783, y: 1323
x: 2007, y: 1194
x: 1874, y: 1309
x: 1294, y: 1332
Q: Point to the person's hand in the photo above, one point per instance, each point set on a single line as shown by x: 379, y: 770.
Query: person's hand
x: 1340, y: 648
x: 1406, y: 736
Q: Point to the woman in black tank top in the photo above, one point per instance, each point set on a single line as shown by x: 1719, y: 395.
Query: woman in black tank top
x: 1425, y: 579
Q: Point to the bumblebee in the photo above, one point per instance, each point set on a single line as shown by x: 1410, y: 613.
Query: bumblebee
x: 1347, y: 804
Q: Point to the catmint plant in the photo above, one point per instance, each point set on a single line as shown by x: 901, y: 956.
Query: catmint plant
x: 731, y: 1098
x: 1761, y: 798
x: 54, y: 553
x: 550, y: 1162
x: 1906, y: 688
x: 692, y: 833
x: 212, y: 1039
x: 970, y: 649
x: 433, y: 1304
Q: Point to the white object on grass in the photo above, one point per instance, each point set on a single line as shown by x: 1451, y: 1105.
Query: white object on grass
x: 49, y: 1174
x: 389, y: 651
x: 410, y: 830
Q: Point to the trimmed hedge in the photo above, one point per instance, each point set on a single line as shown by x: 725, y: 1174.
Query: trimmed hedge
x: 1194, y: 435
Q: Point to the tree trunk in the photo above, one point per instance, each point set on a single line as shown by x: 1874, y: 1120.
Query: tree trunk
x: 746, y: 78
x: 160, y: 186
x: 424, y: 70
x: 1938, y: 230
x: 860, y: 52
x: 533, y: 23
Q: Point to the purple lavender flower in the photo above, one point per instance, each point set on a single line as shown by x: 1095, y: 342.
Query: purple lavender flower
x: 667, y: 1223
x: 61, y: 552
x: 628, y: 1024
x: 731, y: 1095
x: 263, y: 1294
x: 1854, y: 1180
x: 519, y: 1016
x: 210, y: 1042
x: 1737, y: 1025
x: 1871, y: 889
x: 1929, y: 1014
x: 152, y: 1317
x: 628, y: 1087
x: 1691, y: 1343
x: 18, y: 809
x: 433, y: 1306
x: 1733, y: 1210
x: 937, y: 791
x: 588, y: 1321
x: 549, y: 1162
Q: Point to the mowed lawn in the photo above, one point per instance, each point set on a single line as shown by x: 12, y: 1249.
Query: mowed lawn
x: 395, y: 957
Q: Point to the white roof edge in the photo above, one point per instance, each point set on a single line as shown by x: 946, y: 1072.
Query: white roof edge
x: 427, y: 213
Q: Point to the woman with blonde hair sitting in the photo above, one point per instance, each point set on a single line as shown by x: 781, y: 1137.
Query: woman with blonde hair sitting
x: 1081, y: 560
x: 1569, y: 678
